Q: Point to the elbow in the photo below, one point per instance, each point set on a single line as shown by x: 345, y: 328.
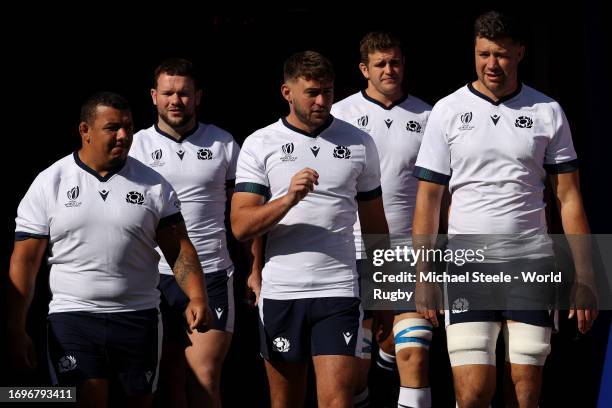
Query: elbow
x: 240, y: 231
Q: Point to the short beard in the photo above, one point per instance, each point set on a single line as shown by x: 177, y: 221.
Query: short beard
x: 174, y: 124
x: 305, y: 119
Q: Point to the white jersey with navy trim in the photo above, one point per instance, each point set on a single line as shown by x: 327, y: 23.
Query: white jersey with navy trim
x: 310, y: 252
x: 495, y: 156
x: 397, y: 131
x: 200, y: 167
x: 101, y: 231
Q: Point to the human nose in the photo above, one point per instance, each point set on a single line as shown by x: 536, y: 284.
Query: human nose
x: 492, y: 62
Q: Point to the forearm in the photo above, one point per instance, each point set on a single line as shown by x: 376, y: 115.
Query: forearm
x: 256, y: 249
x: 249, y: 222
x: 188, y: 273
x: 20, y: 290
x: 575, y: 226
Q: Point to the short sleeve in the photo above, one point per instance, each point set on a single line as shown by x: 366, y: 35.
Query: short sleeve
x: 368, y: 182
x: 32, y: 214
x: 560, y: 156
x: 250, y: 171
x: 233, y: 151
x: 433, y: 160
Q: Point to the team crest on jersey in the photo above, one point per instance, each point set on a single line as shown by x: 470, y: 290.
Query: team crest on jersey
x: 72, y: 195
x: 460, y: 305
x: 288, y: 149
x: 157, y: 158
x: 523, y: 122
x: 281, y: 344
x: 342, y: 152
x: 205, y: 154
x: 134, y: 197
x: 466, y: 119
x: 414, y: 126
x: 66, y: 363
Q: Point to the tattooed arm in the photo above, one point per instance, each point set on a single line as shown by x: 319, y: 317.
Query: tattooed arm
x: 182, y: 257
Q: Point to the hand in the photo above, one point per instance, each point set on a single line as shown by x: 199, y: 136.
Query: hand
x: 198, y: 315
x: 302, y: 183
x: 254, y: 287
x: 583, y: 305
x: 21, y: 353
x: 382, y: 324
x: 428, y: 300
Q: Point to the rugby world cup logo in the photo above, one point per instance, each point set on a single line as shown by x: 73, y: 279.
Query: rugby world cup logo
x: 287, y: 150
x: 466, y: 119
x: 362, y: 122
x: 157, y: 156
x: 72, y: 195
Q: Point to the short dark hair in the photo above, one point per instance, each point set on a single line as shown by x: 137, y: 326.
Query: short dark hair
x: 308, y: 65
x: 176, y: 66
x: 110, y: 99
x: 377, y: 41
x: 494, y: 25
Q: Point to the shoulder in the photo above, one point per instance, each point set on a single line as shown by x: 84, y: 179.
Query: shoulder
x: 217, y: 133
x: 416, y: 105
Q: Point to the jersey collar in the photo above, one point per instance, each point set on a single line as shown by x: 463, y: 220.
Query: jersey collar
x: 314, y: 134
x: 183, y: 137
x: 94, y: 173
x: 374, y: 101
x: 473, y: 90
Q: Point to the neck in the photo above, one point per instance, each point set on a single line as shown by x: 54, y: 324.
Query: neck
x: 295, y: 121
x: 100, y: 167
x: 495, y: 96
x: 176, y: 132
x: 386, y: 100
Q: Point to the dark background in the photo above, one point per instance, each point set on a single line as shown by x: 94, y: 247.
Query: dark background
x: 54, y: 59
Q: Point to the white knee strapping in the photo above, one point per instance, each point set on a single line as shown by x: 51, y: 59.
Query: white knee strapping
x: 412, y: 332
x: 526, y: 343
x: 472, y: 342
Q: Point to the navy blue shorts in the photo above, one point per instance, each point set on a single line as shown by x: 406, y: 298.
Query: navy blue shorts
x: 295, y: 329
x: 122, y: 345
x: 529, y: 303
x: 220, y: 289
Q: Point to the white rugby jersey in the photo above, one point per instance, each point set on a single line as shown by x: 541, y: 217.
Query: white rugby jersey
x: 495, y: 156
x: 397, y: 131
x: 310, y: 252
x: 200, y: 167
x: 101, y: 231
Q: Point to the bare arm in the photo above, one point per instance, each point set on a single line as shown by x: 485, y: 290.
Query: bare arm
x: 566, y: 187
x: 183, y: 259
x: 426, y: 222
x: 251, y: 217
x: 25, y: 262
x: 375, y: 232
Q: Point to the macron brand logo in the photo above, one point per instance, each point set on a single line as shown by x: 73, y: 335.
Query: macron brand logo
x: 315, y: 150
x: 495, y: 119
x: 219, y: 312
x: 104, y: 194
x: 347, y: 337
x: 180, y: 154
x: 149, y: 374
x: 388, y: 122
